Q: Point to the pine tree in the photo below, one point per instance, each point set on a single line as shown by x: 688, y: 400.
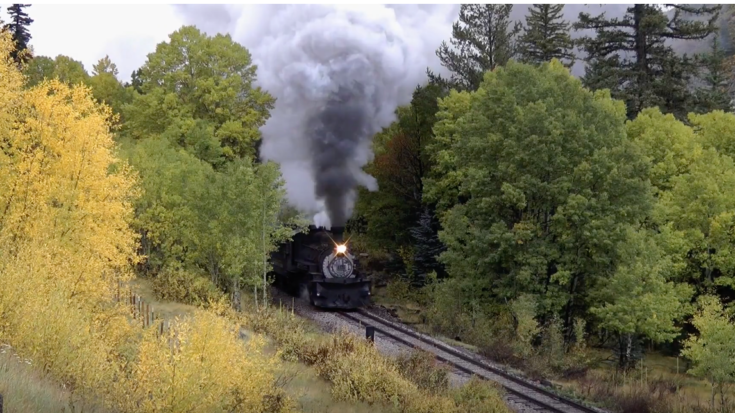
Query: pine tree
x: 481, y: 40
x: 18, y: 27
x: 135, y: 81
x: 715, y: 93
x: 631, y: 58
x: 427, y: 247
x: 546, y: 36
x: 104, y: 65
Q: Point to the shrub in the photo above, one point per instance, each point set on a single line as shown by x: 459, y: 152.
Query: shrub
x: 202, y: 363
x: 177, y: 284
x: 421, y: 368
x: 358, y: 371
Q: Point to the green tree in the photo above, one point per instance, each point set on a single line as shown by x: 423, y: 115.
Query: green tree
x: 401, y: 162
x: 550, y: 181
x: 546, y: 36
x: 213, y: 221
x: 640, y: 299
x: 18, y: 28
x: 482, y: 39
x: 669, y: 145
x: 713, y: 350
x: 64, y: 68
x: 198, y: 91
x: 715, y: 130
x: 442, y: 185
x: 700, y: 208
x: 104, y: 65
x: 630, y: 56
x: 692, y: 175
x: 106, y: 87
x: 715, y: 74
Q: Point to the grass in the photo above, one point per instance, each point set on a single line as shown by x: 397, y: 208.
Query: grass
x: 163, y: 309
x: 314, y: 394
x: 24, y: 390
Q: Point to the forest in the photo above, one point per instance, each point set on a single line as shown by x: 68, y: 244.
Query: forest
x: 521, y: 209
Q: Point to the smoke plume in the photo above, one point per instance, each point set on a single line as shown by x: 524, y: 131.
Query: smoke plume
x: 338, y: 74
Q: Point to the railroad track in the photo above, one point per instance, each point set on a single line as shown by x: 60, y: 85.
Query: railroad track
x: 519, y: 391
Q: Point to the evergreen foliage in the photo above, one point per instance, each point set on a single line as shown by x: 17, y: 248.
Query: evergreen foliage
x: 546, y: 36
x: 483, y: 39
x: 19, y: 30
x: 630, y: 56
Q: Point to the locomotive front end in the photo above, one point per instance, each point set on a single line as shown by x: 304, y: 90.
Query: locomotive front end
x: 341, y: 285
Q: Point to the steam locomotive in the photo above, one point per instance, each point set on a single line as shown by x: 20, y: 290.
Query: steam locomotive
x: 319, y: 263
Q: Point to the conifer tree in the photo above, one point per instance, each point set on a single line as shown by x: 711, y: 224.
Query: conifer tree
x: 631, y: 58
x: 482, y: 39
x: 18, y: 27
x: 427, y: 246
x: 715, y: 93
x: 546, y: 36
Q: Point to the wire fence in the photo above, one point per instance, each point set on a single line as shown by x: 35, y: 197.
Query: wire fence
x: 141, y: 310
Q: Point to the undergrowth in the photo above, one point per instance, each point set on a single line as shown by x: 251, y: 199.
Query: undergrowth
x: 358, y: 372
x: 512, y: 336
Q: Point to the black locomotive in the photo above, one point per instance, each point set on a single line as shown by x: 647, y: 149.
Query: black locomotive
x: 321, y: 264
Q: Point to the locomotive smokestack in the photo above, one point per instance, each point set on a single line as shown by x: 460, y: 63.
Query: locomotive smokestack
x: 338, y: 234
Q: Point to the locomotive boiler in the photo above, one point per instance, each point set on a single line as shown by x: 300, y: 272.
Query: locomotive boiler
x: 321, y: 264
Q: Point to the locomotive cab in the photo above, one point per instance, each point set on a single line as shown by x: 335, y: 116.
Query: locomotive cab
x: 323, y: 262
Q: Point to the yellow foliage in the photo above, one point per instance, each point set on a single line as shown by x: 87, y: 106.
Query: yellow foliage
x: 65, y: 243
x: 201, y: 366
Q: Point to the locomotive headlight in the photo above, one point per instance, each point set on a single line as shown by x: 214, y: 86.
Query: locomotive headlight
x: 341, y: 249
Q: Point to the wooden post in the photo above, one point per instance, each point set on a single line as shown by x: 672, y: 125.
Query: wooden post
x: 1, y: 403
x: 370, y: 333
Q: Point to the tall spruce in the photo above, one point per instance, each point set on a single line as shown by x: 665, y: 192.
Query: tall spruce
x: 482, y: 39
x: 427, y: 247
x: 18, y: 27
x: 631, y: 58
x: 546, y: 36
x: 714, y: 93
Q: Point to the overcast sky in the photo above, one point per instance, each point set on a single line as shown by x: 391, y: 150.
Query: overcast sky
x: 127, y: 33
x: 87, y: 33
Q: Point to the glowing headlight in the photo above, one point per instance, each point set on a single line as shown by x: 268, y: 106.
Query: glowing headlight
x: 341, y: 249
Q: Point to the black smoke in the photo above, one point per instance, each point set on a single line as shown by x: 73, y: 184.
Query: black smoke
x: 335, y: 135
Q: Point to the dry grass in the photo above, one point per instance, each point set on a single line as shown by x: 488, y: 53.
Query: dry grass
x: 25, y: 390
x: 164, y: 309
x: 359, y: 373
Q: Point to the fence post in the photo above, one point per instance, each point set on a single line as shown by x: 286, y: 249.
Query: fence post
x: 1, y: 403
x: 370, y: 333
